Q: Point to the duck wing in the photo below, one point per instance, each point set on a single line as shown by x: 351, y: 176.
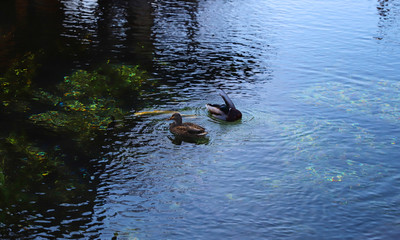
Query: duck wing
x: 227, y: 100
x: 185, y: 131
x: 194, y: 129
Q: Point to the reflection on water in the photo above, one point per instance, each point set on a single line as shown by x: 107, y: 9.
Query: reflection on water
x: 315, y: 155
x: 207, y: 42
x: 81, y: 20
x: 76, y: 33
x: 389, y: 21
x: 117, y: 30
x: 27, y: 26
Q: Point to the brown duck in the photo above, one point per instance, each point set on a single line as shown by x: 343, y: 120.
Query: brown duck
x: 227, y: 111
x: 186, y: 130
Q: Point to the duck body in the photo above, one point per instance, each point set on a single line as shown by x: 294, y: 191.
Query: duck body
x: 185, y: 130
x: 227, y: 111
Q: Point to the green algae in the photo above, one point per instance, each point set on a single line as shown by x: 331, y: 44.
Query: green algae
x: 16, y: 83
x: 89, y: 101
x: 22, y: 163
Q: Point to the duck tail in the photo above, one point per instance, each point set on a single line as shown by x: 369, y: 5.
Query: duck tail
x: 202, y: 134
x: 214, y: 109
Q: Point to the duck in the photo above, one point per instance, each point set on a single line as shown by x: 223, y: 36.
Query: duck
x: 187, y: 129
x: 227, y: 111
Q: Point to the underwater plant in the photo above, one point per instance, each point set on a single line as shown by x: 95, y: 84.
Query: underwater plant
x: 88, y: 101
x: 16, y: 83
x: 68, y: 116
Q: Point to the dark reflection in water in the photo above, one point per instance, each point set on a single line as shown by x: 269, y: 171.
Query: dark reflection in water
x: 389, y: 20
x: 315, y: 155
x: 116, y: 30
x: 75, y: 33
x: 205, y: 46
x: 28, y: 26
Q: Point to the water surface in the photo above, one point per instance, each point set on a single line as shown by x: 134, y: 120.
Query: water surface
x: 315, y: 155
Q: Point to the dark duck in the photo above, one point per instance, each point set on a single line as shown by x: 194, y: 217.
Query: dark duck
x: 227, y: 111
x: 187, y: 129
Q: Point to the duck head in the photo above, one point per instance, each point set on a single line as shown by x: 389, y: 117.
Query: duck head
x: 177, y: 118
x: 233, y: 115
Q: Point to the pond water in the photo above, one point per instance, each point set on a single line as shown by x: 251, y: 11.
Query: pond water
x: 316, y: 155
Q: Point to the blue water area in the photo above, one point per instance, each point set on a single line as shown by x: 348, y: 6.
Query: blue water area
x: 316, y: 155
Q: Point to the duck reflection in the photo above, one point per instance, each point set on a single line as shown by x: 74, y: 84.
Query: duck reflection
x: 177, y: 140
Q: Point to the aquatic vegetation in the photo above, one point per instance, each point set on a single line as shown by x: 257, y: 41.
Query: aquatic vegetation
x: 28, y: 170
x: 331, y: 162
x: 108, y: 81
x: 90, y: 101
x: 74, y: 114
x: 16, y: 83
x: 82, y: 124
x: 84, y: 102
x: 33, y: 163
x: 382, y: 100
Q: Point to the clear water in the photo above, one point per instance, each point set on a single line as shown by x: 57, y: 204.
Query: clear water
x: 316, y: 155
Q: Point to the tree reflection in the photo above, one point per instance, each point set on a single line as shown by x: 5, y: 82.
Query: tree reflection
x: 197, y: 42
x: 27, y: 26
x: 124, y: 30
x: 389, y: 12
x: 118, y: 30
x: 77, y: 32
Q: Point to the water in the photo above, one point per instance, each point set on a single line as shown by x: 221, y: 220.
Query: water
x: 314, y: 157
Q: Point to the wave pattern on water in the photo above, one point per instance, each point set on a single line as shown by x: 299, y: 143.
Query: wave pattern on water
x: 201, y: 42
x: 314, y: 156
